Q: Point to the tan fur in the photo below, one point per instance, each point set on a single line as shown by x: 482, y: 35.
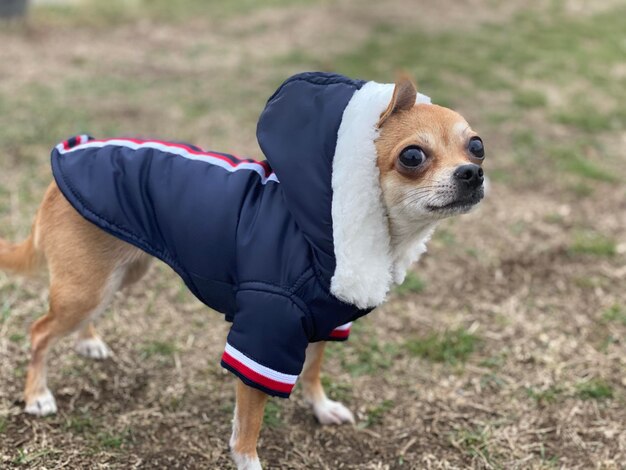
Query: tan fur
x: 311, y: 372
x: 403, y: 99
x: 81, y: 261
x: 247, y: 422
x: 87, y: 266
x: 19, y: 258
x: 437, y: 135
x: 444, y: 135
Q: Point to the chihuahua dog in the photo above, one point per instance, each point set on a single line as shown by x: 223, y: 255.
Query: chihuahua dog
x: 291, y: 250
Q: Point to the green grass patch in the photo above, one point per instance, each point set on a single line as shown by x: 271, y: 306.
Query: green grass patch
x: 3, y: 424
x: 585, y: 116
x: 551, y: 461
x: 412, y: 284
x: 158, y: 348
x: 580, y: 189
x: 80, y: 424
x: 607, y: 342
x: 545, y: 48
x: 528, y: 99
x: 16, y: 337
x: 544, y: 396
x: 525, y: 141
x: 25, y: 457
x: 591, y: 243
x: 340, y: 391
x: 5, y: 311
x: 444, y: 236
x: 475, y: 442
x: 94, y: 13
x: 615, y: 313
x: 374, y: 415
x: 492, y: 381
x: 554, y: 218
x: 113, y: 440
x: 594, y: 389
x: 272, y: 415
x: 574, y: 160
x: 451, y: 347
x: 369, y: 357
x: 493, y: 362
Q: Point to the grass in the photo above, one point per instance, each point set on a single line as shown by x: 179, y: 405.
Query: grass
x: 539, y: 47
x: 375, y: 415
x: 551, y: 461
x: 546, y: 395
x: 529, y: 99
x: 272, y: 417
x: 616, y: 313
x: 99, y: 435
x: 475, y: 441
x: 493, y: 362
x: 492, y: 381
x: 543, y: 88
x: 17, y: 337
x: 573, y: 160
x: 341, y: 391
x: 594, y: 244
x: 594, y: 389
x: 24, y: 457
x: 94, y: 13
x: 158, y: 348
x: 412, y: 284
x: 585, y: 116
x: 80, y: 424
x: 451, y: 347
x: 113, y: 440
x: 369, y: 357
x: 445, y: 236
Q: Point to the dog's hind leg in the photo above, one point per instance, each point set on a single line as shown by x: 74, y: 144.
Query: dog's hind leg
x: 89, y: 343
x: 73, y: 300
x: 326, y: 411
x: 87, y: 266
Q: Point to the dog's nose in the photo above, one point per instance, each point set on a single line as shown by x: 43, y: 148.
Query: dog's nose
x: 470, y: 175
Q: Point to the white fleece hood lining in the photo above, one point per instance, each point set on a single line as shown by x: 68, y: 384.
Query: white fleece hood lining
x: 365, y: 268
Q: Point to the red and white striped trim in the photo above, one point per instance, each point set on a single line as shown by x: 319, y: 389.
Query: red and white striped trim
x: 64, y: 146
x: 260, y: 168
x: 258, y: 373
x: 341, y: 332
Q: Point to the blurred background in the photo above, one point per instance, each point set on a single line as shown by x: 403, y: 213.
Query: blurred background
x: 506, y: 346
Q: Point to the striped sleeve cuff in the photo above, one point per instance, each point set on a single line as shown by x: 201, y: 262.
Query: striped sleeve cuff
x: 256, y: 375
x: 341, y: 333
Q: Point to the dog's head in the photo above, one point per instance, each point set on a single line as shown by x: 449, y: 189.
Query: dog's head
x: 430, y: 160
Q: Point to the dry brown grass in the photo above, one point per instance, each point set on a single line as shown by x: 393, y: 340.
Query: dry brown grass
x: 530, y: 288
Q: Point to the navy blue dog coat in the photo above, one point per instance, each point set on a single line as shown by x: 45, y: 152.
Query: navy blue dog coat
x: 291, y: 250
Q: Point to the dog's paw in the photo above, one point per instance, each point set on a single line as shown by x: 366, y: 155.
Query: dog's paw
x: 41, y: 405
x: 245, y: 462
x: 332, y: 412
x: 93, y: 348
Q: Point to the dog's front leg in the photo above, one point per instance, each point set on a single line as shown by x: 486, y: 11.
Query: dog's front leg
x: 327, y: 411
x: 246, y: 426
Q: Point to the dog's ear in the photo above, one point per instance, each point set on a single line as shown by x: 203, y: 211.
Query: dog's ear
x: 404, y: 96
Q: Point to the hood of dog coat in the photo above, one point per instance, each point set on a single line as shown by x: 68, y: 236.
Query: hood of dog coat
x: 318, y: 131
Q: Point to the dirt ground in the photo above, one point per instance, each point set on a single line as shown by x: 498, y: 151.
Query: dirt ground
x: 506, y: 348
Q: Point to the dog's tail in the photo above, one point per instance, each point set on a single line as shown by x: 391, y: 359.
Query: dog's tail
x: 22, y: 258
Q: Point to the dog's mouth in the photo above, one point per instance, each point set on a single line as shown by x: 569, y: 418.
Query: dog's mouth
x: 460, y: 205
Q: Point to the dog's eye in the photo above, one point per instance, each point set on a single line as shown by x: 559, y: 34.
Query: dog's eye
x: 412, y: 157
x: 476, y: 147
